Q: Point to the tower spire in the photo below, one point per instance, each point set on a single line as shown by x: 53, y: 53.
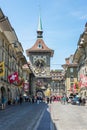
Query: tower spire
x: 39, y: 30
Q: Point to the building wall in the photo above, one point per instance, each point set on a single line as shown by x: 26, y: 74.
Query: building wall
x: 12, y: 63
x: 80, y: 57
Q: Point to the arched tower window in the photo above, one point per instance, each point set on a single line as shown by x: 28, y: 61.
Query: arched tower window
x: 39, y: 46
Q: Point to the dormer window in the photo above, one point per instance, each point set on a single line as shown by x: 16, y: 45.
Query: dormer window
x: 39, y: 46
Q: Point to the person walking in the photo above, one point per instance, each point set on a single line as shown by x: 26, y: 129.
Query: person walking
x: 64, y: 100
x: 80, y: 101
x: 48, y: 100
x: 38, y: 100
x: 67, y: 99
x: 3, y: 101
x: 20, y: 99
x: 83, y: 101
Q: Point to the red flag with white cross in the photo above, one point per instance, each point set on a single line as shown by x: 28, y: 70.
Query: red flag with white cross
x: 13, y: 77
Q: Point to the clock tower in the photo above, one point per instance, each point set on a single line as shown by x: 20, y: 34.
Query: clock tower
x: 39, y: 56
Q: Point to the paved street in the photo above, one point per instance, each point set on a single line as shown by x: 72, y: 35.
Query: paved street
x: 23, y: 117
x: 69, y: 117
x: 37, y: 117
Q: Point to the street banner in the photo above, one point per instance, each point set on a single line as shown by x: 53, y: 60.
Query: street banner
x: 2, y: 69
x: 13, y: 77
x: 83, y: 80
x: 26, y: 86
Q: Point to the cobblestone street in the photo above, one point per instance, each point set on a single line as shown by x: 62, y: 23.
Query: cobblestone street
x: 68, y: 117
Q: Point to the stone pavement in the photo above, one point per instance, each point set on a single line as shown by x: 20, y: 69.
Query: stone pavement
x: 68, y: 117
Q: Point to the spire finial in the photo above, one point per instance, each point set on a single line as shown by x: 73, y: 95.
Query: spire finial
x: 39, y: 24
x: 39, y: 30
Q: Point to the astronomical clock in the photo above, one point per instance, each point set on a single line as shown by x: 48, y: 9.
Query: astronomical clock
x: 40, y: 65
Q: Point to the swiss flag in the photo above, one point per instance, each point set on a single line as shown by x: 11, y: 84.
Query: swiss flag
x: 13, y: 77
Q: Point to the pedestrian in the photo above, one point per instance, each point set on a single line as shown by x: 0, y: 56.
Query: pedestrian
x: 20, y: 99
x: 61, y: 100
x: 17, y: 100
x: 50, y: 99
x: 67, y: 99
x: 33, y: 99
x: 9, y: 101
x: 47, y: 100
x: 64, y: 100
x: 38, y: 100
x: 3, y: 101
x: 80, y: 101
x: 83, y: 101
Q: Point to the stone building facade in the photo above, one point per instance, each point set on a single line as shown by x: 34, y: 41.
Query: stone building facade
x: 70, y: 69
x: 11, y: 54
x: 80, y: 57
x: 58, y: 82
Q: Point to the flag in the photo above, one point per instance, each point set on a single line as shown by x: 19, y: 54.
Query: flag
x: 13, y: 77
x: 2, y: 69
x: 20, y: 82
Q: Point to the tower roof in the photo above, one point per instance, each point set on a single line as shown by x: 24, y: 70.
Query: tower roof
x: 40, y: 46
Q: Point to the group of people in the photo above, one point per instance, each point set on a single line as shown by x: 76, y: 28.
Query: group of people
x: 75, y: 100
x: 5, y: 102
x: 33, y: 99
x: 49, y: 100
x: 64, y: 99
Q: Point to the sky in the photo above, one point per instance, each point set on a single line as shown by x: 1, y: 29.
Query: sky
x: 63, y: 22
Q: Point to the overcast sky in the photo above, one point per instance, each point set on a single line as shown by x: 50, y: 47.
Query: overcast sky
x: 63, y: 21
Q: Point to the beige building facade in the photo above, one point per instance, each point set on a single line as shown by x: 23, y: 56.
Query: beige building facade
x: 80, y: 57
x: 70, y: 76
x: 58, y: 82
x: 11, y: 53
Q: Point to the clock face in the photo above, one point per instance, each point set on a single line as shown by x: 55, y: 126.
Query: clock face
x: 39, y: 63
x: 39, y: 66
